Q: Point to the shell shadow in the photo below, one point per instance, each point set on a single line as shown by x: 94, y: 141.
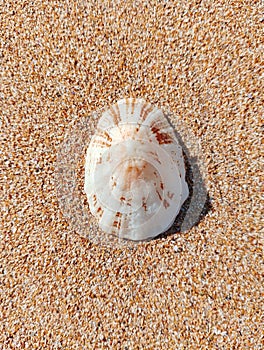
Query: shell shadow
x: 199, y: 202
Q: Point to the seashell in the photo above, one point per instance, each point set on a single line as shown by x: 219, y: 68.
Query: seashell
x: 134, y: 171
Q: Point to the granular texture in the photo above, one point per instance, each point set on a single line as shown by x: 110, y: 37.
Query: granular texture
x: 59, y: 62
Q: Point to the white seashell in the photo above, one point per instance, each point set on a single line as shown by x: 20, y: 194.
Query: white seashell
x: 134, y: 171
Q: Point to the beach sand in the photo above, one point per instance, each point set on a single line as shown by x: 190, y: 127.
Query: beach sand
x: 60, y: 62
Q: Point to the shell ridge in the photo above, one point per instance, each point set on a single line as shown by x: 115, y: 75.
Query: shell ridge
x: 115, y: 113
x: 146, y: 108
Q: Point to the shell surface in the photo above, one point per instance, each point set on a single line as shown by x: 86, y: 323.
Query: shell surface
x: 134, y: 171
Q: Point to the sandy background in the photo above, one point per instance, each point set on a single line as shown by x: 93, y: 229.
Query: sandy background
x: 60, y: 61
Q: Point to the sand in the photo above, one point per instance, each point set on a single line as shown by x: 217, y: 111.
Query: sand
x: 60, y: 62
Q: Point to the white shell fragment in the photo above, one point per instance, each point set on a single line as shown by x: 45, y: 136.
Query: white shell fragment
x: 134, y: 171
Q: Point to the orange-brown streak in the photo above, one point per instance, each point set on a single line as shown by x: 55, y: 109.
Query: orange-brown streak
x: 170, y: 195
x: 159, y: 194
x: 166, y: 204
x: 117, y: 224
x: 115, y: 114
x: 156, y: 158
x: 95, y: 200
x: 107, y: 136
x: 144, y: 111
x: 100, y: 212
x: 103, y: 139
x: 133, y: 105
x: 162, y: 138
x: 103, y: 144
x: 122, y: 199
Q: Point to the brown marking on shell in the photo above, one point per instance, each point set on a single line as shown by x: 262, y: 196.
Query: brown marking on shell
x: 103, y: 140
x: 103, y: 144
x: 158, y: 194
x: 94, y: 199
x: 123, y: 200
x: 161, y: 185
x: 133, y: 173
x: 144, y: 204
x: 117, y: 221
x: 130, y: 102
x: 146, y: 108
x: 133, y: 105
x: 117, y: 224
x: 154, y: 154
x: 115, y: 112
x: 124, y: 221
x: 107, y: 136
x: 127, y: 104
x: 159, y: 123
x: 166, y: 204
x: 161, y: 137
x: 170, y: 195
x: 100, y: 212
x: 108, y: 157
x: 99, y: 160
